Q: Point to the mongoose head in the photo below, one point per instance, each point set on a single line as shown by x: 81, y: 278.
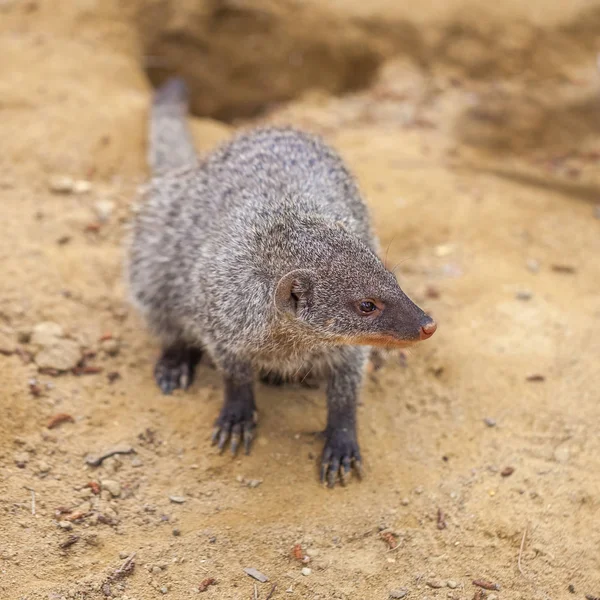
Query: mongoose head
x: 347, y: 296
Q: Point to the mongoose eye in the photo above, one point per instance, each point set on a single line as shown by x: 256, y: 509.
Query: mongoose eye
x: 367, y: 307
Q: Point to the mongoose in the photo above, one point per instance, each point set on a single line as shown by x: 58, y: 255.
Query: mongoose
x: 262, y: 255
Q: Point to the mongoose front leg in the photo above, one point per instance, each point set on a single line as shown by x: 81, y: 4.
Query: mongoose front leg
x: 176, y: 366
x: 238, y: 416
x: 341, y: 446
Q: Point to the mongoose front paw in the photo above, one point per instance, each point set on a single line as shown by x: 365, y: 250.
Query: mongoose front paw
x: 238, y: 421
x: 341, y: 452
x: 175, y: 368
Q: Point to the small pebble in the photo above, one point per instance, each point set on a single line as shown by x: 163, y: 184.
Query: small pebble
x: 176, y: 532
x: 419, y: 489
x: 114, y: 487
x: 43, y: 467
x: 65, y: 525
x: 81, y: 186
x: 255, y: 574
x: 452, y: 584
x: 306, y: 571
x: 164, y: 589
x: 61, y: 184
x: 490, y: 422
x: 110, y: 347
x: 532, y: 265
x: 399, y: 593
x: 123, y: 555
x: 524, y: 295
x: 177, y: 499
x: 104, y: 209
x: 436, y: 584
x: 254, y: 483
x: 405, y: 501
x: 561, y: 454
x: 136, y: 462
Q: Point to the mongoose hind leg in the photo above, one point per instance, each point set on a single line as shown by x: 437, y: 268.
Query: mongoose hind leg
x: 176, y: 367
x: 238, y: 416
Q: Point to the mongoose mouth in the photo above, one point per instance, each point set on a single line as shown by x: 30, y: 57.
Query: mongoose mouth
x: 385, y: 340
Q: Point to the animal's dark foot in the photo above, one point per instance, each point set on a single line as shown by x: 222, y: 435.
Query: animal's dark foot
x: 175, y: 368
x: 237, y: 422
x: 340, y: 454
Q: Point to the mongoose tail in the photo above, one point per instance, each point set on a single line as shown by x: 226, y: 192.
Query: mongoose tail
x: 171, y: 143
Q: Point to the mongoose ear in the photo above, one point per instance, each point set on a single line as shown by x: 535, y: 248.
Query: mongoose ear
x: 294, y: 291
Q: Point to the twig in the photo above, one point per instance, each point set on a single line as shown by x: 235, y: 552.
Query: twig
x: 126, y: 568
x: 521, y: 553
x: 255, y: 592
x: 270, y: 594
x: 32, y: 500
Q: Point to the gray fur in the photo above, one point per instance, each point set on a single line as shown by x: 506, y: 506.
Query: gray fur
x: 213, y: 243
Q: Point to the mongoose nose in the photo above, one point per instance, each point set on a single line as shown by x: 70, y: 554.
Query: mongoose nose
x: 428, y: 329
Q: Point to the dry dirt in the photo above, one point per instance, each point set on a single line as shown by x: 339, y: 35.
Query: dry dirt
x: 479, y: 157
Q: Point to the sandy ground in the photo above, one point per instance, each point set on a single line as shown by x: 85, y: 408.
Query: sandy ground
x: 481, y: 446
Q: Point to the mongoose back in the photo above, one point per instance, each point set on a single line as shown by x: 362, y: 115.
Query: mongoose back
x: 262, y: 255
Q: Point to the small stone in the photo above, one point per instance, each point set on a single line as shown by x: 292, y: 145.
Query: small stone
x: 43, y: 467
x: 176, y: 532
x: 419, y: 489
x: 451, y: 584
x: 110, y: 347
x: 405, y: 501
x: 114, y: 487
x: 123, y: 555
x: 436, y: 584
x: 62, y: 355
x: 399, y: 593
x: 312, y: 552
x: 61, y: 184
x: 444, y: 249
x: 21, y: 459
x: 177, y: 499
x: 306, y: 571
x: 81, y: 186
x: 136, y: 462
x: 532, y: 265
x: 164, y: 589
x: 253, y: 483
x: 65, y: 525
x: 104, y: 209
x: 255, y: 574
x: 156, y: 570
x: 524, y: 295
x: 490, y: 422
x: 239, y: 478
x: 561, y: 454
x: 46, y: 333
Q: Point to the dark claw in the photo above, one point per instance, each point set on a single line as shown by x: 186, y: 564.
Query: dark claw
x: 236, y: 436
x: 223, y: 439
x: 248, y: 437
x: 333, y: 472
